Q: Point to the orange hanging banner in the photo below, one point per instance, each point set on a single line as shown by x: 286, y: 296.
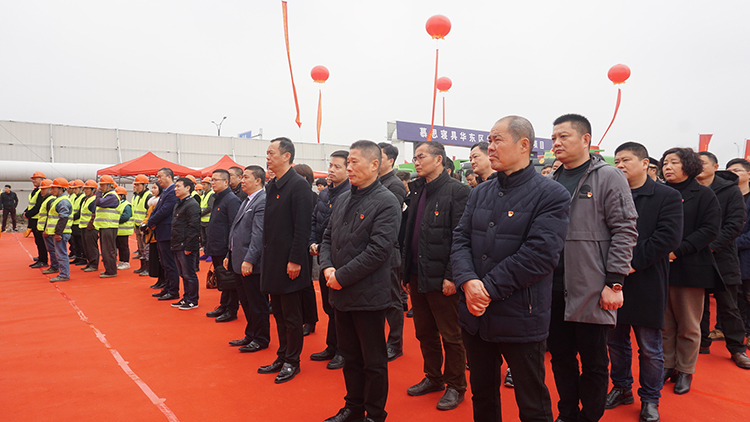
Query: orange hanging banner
x: 434, y: 96
x: 289, y: 57
x: 320, y: 112
x: 747, y: 149
x: 703, y: 141
x: 617, y: 107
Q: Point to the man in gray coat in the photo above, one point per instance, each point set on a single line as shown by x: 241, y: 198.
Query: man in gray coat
x: 587, y: 283
x: 245, y: 248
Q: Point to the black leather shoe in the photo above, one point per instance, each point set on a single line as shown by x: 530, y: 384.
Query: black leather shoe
x: 38, y: 264
x: 252, y: 347
x: 272, y: 368
x: 649, y: 412
x: 393, y: 354
x: 346, y: 415
x: 169, y: 296
x: 618, y: 396
x: 740, y: 359
x: 336, y: 363
x: 682, y: 385
x: 450, y: 400
x: 216, y: 312
x: 226, y: 317
x: 244, y: 341
x: 287, y: 373
x: 410, y: 314
x: 158, y: 285
x: 307, y: 329
x: 159, y: 293
x: 425, y: 386
x: 669, y: 375
x: 322, y: 356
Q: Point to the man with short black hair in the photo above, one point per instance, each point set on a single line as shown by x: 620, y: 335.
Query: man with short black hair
x: 235, y: 179
x: 223, y: 211
x: 285, y: 263
x: 243, y: 258
x: 436, y: 204
x: 586, y: 293
x: 504, y: 251
x: 356, y: 261
x: 733, y: 214
x: 659, y: 227
x: 741, y: 168
x: 9, y: 199
x: 184, y: 243
x: 338, y: 184
x: 395, y: 314
x: 480, y: 161
x: 160, y: 222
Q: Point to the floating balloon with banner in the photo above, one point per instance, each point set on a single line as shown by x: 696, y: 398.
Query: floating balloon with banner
x: 289, y: 58
x: 320, y: 75
x: 438, y: 27
x: 443, y: 85
x: 618, y: 74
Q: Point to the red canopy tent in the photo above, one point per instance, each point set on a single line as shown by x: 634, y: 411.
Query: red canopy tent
x: 224, y: 163
x: 148, y: 164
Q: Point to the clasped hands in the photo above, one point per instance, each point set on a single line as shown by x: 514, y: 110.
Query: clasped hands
x: 477, y: 297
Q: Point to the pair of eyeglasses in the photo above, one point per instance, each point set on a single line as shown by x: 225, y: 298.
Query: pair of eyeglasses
x: 421, y: 157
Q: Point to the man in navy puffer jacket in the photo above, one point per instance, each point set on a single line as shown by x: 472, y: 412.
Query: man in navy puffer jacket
x: 505, y: 248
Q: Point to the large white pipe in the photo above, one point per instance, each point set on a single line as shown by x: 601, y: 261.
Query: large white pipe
x: 18, y: 171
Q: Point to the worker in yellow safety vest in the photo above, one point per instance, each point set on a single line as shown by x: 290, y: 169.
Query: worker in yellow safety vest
x: 141, y: 195
x: 107, y: 220
x: 125, y: 228
x: 32, y: 215
x: 207, y: 202
x: 75, y: 194
x: 89, y: 233
x: 57, y: 230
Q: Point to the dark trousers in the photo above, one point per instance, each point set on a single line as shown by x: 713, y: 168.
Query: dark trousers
x: 395, y: 313
x: 309, y: 302
x: 331, y: 339
x: 76, y: 243
x: 41, y: 247
x: 743, y: 303
x: 731, y: 321
x: 567, y: 341
x: 255, y: 306
x: 527, y: 361
x: 650, y: 360
x: 12, y: 213
x: 90, y: 239
x: 155, y: 269
x: 171, y: 276
x: 229, y: 299
x: 186, y: 268
x: 287, y: 311
x: 123, y: 248
x: 436, y: 328
x: 108, y: 246
x: 361, y: 342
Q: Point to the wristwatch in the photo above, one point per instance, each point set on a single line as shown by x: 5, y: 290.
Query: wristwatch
x: 616, y: 287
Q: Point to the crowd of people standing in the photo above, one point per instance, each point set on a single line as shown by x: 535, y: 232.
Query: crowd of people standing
x: 513, y: 265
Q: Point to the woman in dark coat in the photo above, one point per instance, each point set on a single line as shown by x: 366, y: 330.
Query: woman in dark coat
x: 692, y: 268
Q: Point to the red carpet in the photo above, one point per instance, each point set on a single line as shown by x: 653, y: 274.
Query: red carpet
x: 94, y: 349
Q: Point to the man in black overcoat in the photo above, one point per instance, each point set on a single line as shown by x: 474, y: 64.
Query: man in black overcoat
x: 645, y: 289
x: 285, y: 263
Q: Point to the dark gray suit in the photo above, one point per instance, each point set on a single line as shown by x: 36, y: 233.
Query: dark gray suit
x: 246, y: 244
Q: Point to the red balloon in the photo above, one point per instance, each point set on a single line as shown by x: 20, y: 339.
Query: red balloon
x: 319, y: 74
x: 618, y: 73
x: 438, y: 26
x: 444, y: 84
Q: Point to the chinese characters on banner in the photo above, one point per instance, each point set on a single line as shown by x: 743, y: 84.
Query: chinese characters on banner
x: 417, y: 132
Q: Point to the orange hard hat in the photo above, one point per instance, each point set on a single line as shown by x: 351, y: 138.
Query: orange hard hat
x: 90, y: 184
x: 206, y: 180
x: 141, y: 178
x: 78, y: 183
x: 46, y: 183
x: 60, y: 182
x: 38, y: 174
x: 192, y: 178
x: 121, y: 190
x: 198, y: 187
x: 106, y: 179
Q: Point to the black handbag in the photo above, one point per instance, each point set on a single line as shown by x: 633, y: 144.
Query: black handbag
x: 224, y: 278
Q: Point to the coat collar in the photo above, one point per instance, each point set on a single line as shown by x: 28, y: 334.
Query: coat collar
x: 514, y: 179
x: 279, y: 183
x: 421, y: 182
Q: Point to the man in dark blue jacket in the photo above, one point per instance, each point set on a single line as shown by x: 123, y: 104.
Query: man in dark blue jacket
x: 659, y: 227
x: 160, y: 222
x: 184, y: 241
x: 741, y: 168
x: 224, y: 209
x: 338, y: 184
x: 505, y: 248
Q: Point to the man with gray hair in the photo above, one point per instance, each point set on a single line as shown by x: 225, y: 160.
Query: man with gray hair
x: 504, y: 251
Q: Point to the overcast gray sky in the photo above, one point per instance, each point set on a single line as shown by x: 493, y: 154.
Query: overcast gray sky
x: 173, y: 66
